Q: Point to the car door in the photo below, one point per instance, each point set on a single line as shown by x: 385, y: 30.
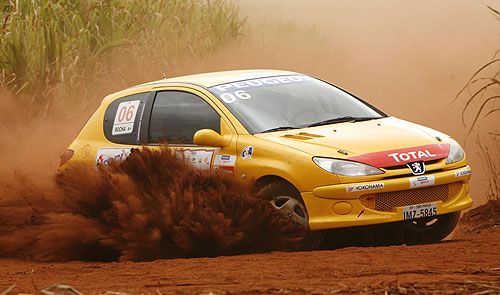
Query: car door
x: 176, y: 115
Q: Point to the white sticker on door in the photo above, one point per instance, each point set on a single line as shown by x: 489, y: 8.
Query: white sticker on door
x: 104, y: 155
x: 125, y: 117
x: 225, y: 163
x: 197, y: 158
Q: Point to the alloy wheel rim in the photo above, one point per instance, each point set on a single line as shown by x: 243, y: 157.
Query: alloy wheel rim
x: 291, y: 208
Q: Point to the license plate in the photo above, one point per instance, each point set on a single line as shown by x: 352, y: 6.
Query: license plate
x: 419, y: 211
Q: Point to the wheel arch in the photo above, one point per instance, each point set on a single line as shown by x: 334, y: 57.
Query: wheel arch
x: 267, y: 179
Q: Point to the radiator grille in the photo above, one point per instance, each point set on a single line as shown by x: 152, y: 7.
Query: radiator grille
x: 387, y: 201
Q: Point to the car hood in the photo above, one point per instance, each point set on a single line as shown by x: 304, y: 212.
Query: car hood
x: 385, y: 142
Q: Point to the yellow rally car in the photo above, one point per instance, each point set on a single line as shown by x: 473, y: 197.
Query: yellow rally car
x: 322, y: 156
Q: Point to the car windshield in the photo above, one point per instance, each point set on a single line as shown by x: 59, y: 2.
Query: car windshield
x: 289, y: 102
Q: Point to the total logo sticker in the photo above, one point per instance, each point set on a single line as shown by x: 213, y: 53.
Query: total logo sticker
x: 422, y: 181
x: 364, y: 187
x: 225, y: 163
x: 463, y: 173
x: 412, y: 155
x: 247, y: 153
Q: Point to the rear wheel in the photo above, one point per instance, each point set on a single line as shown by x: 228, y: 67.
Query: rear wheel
x: 429, y: 230
x: 287, y: 201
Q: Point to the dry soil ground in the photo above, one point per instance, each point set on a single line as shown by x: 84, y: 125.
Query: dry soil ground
x: 467, y: 263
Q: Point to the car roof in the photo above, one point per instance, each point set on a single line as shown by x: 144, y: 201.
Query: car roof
x: 217, y: 78
x: 203, y: 80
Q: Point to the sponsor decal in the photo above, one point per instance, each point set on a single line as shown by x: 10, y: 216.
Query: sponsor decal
x: 417, y: 168
x: 247, y: 153
x: 125, y: 117
x: 463, y: 173
x: 412, y: 155
x: 422, y: 181
x: 104, y: 155
x: 232, y: 92
x: 225, y: 163
x: 197, y: 158
x: 404, y: 156
x: 230, y: 97
x: 253, y: 83
x: 364, y: 187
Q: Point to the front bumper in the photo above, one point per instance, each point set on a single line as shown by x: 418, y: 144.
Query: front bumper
x: 375, y: 202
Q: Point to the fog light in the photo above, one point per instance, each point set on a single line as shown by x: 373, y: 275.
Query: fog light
x: 342, y: 208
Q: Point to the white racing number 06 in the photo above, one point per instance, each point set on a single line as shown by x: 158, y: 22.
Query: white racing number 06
x: 230, y: 97
x: 125, y: 117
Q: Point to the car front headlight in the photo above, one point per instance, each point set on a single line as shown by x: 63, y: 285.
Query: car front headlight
x: 346, y: 168
x: 456, y: 153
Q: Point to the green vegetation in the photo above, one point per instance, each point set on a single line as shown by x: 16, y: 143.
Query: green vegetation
x: 482, y: 92
x: 56, y: 44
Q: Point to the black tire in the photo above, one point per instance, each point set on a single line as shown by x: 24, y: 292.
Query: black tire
x: 279, y: 193
x: 429, y: 230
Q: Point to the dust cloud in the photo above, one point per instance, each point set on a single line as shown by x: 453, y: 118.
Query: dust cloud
x: 150, y: 206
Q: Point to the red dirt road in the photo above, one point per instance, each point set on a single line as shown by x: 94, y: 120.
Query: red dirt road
x: 465, y: 264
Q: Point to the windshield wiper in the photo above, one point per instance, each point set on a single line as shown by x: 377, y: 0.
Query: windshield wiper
x: 342, y: 120
x: 279, y: 129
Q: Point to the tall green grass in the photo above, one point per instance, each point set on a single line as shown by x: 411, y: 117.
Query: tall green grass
x: 482, y: 92
x: 54, y: 44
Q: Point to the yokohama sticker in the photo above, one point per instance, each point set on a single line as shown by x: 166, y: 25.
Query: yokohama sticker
x: 125, y: 117
x: 364, y: 187
x: 422, y: 181
x: 463, y: 173
x: 104, y: 155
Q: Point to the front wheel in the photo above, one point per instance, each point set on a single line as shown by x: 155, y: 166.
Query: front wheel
x: 429, y: 230
x: 287, y: 201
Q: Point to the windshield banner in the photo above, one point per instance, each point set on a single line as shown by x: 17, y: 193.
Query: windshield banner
x: 229, y: 87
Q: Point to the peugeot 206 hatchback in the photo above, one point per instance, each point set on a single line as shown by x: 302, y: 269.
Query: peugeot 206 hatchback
x: 320, y: 155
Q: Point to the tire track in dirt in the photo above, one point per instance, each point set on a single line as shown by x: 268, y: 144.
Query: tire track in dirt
x: 461, y: 264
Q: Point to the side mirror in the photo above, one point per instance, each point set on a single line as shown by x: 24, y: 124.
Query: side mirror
x: 208, y: 137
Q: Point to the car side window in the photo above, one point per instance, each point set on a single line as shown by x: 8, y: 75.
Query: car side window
x: 122, y: 119
x: 177, y: 115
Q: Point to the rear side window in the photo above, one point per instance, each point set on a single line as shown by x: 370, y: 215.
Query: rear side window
x: 177, y: 115
x: 122, y: 119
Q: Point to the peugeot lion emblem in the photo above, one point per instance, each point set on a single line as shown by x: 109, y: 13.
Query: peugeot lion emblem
x: 417, y: 168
